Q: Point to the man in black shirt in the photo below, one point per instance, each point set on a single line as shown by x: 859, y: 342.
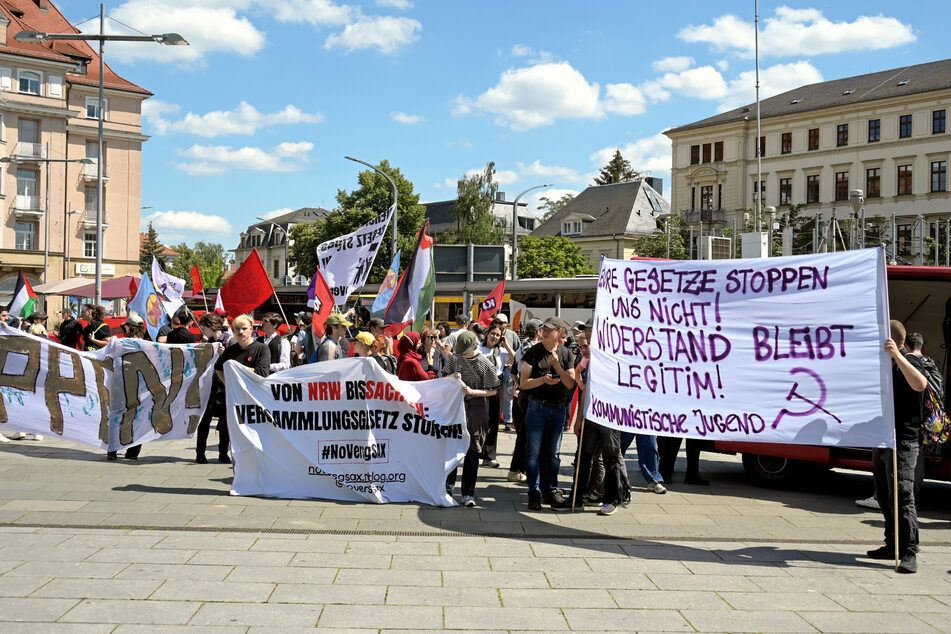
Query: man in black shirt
x: 547, y: 376
x: 180, y: 333
x: 69, y: 330
x: 909, y: 385
x: 96, y: 333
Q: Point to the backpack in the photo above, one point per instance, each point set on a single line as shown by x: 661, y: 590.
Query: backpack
x: 935, y: 422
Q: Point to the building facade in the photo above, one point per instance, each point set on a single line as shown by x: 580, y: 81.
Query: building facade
x: 272, y: 240
x: 49, y: 111
x: 884, y: 133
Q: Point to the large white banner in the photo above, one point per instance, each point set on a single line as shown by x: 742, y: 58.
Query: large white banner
x: 345, y: 262
x: 130, y: 392
x: 344, y: 430
x: 784, y: 350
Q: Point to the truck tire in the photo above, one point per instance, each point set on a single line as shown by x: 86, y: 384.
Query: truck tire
x: 771, y: 471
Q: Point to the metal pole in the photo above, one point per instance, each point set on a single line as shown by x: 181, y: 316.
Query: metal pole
x: 46, y: 228
x: 921, y: 240
x: 894, y: 238
x: 862, y: 227
x: 759, y: 158
x: 515, y: 230
x: 734, y: 238
x: 937, y: 243
x: 947, y: 242
x: 395, y: 195
x: 815, y: 235
x: 667, y: 227
x: 99, y: 161
x: 700, y: 242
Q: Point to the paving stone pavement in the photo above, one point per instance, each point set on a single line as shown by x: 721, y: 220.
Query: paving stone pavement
x: 159, y: 545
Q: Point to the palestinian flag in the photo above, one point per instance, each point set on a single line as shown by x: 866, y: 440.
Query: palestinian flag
x: 24, y: 299
x: 414, y: 292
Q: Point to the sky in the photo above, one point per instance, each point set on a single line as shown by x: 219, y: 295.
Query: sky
x: 255, y: 117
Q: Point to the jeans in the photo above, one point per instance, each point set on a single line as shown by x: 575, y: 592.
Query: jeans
x: 506, y: 395
x: 885, y: 494
x: 648, y: 459
x: 544, y: 425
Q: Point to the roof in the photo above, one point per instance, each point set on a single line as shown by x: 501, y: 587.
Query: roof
x: 52, y: 21
x: 442, y: 215
x: 271, y: 237
x: 886, y: 84
x: 620, y: 208
x: 166, y: 251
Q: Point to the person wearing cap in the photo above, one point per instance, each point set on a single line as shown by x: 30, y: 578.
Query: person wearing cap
x: 363, y: 344
x: 462, y: 324
x: 547, y: 375
x: 37, y: 322
x: 336, y: 329
x: 520, y: 402
x: 511, y: 337
x: 279, y: 347
x: 384, y: 344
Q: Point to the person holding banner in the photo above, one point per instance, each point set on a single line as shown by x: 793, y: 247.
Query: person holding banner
x: 133, y: 328
x: 408, y: 367
x: 479, y: 382
x: 96, y: 333
x: 909, y: 387
x: 496, y: 349
x: 434, y: 358
x: 330, y: 349
x: 279, y: 347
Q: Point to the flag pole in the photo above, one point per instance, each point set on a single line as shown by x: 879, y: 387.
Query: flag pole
x: 895, y: 502
x: 281, y: 308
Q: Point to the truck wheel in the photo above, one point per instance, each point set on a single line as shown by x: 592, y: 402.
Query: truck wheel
x: 771, y: 471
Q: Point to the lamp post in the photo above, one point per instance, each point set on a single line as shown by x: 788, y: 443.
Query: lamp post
x: 395, y: 193
x: 68, y: 231
x: 34, y: 37
x: 771, y: 214
x: 515, y: 229
x: 857, y: 201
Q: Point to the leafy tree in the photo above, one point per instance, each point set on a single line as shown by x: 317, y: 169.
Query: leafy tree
x: 554, y: 256
x: 475, y: 200
x: 551, y: 207
x: 618, y: 170
x: 150, y: 247
x: 354, y: 210
x: 655, y: 244
x: 210, y: 258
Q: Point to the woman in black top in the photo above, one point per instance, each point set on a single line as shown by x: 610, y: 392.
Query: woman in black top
x: 249, y: 353
x: 181, y: 334
x: 96, y: 333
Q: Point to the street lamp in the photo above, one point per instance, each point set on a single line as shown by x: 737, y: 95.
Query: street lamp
x: 515, y: 230
x: 857, y: 201
x: 46, y: 206
x: 395, y: 194
x: 35, y: 37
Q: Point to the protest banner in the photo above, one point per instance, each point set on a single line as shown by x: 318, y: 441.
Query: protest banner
x: 130, y: 392
x: 344, y: 430
x: 781, y: 350
x: 346, y: 261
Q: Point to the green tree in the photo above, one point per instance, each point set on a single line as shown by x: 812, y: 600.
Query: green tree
x: 475, y: 200
x: 551, y: 207
x: 618, y: 170
x: 208, y: 256
x: 655, y: 244
x: 354, y: 210
x: 554, y: 256
x: 150, y: 247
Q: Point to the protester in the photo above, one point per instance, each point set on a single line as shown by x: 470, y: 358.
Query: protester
x: 408, y: 367
x: 249, y: 353
x: 306, y: 344
x: 329, y: 348
x: 133, y: 328
x: 180, y: 334
x: 378, y: 330
x: 520, y: 403
x: 363, y: 344
x: 914, y: 343
x: 96, y: 333
x: 443, y: 329
x: 37, y: 321
x: 378, y: 352
x: 496, y: 349
x: 909, y: 385
x: 279, y: 347
x: 667, y: 449
x: 547, y: 375
x: 462, y: 324
x: 212, y: 330
x: 434, y: 358
x: 480, y: 382
x: 6, y: 319
x: 648, y: 459
x: 70, y: 330
x: 511, y: 337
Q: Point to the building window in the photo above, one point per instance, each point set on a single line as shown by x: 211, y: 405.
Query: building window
x: 904, y: 180
x: 939, y: 176
x: 693, y: 197
x: 757, y: 189
x: 28, y: 131
x: 904, y: 240
x: 25, y: 236
x: 572, y: 228
x: 694, y: 154
x: 904, y: 126
x: 841, y: 185
x: 873, y: 182
x: 938, y: 122
x: 706, y: 197
x: 762, y: 146
x: 787, y: 142
x: 874, y: 130
x: 706, y: 153
x: 842, y: 135
x: 814, y: 138
x: 718, y: 151
x: 785, y: 191
x: 29, y: 82
x: 89, y: 244
x: 92, y: 108
x: 277, y: 269
x: 812, y: 188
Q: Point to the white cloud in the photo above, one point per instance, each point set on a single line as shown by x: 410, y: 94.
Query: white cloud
x: 276, y: 212
x: 179, y: 222
x: 537, y: 95
x: 447, y: 183
x: 155, y: 111
x: 625, y: 99
x: 402, y: 5
x: 384, y: 33
x: 522, y: 50
x: 673, y: 64
x: 723, y: 65
x: 316, y: 12
x: 502, y: 177
x: 408, y: 119
x: 704, y: 82
x: 535, y: 57
x: 773, y: 80
x: 218, y: 159
x: 208, y: 27
x: 649, y: 154
x: 245, y: 119
x: 795, y: 31
x: 555, y: 173
x: 553, y: 193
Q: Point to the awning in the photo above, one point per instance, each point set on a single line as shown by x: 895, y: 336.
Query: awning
x: 114, y: 288
x: 61, y: 287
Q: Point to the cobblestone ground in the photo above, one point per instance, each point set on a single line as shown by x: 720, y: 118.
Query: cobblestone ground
x: 159, y: 545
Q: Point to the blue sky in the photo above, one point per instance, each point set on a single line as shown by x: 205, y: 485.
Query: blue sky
x: 256, y: 116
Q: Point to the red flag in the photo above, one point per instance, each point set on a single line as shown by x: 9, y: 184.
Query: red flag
x: 491, y: 305
x: 248, y: 288
x: 323, y: 303
x: 196, y: 280
x: 133, y: 286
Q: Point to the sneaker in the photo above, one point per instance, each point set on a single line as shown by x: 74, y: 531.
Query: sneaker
x: 534, y: 500
x: 908, y: 565
x: 111, y: 455
x: 868, y: 503
x: 36, y: 436
x: 490, y: 463
x: 882, y: 552
x: 657, y: 487
x: 468, y: 500
x: 555, y: 496
x: 4, y: 438
x: 592, y: 500
x: 201, y: 459
x: 607, y: 509
x: 565, y: 505
x: 516, y: 476
x: 18, y: 435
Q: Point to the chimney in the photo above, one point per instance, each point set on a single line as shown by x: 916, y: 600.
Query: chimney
x: 43, y: 5
x: 4, y: 23
x: 500, y: 197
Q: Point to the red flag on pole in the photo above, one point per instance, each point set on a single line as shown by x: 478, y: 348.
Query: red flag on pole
x: 248, y: 288
x: 491, y: 305
x: 196, y: 280
x: 323, y: 303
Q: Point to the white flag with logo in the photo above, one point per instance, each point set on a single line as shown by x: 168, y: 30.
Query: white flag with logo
x: 346, y: 261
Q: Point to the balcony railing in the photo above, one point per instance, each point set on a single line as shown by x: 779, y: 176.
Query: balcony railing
x: 29, y: 151
x: 89, y: 219
x: 91, y: 172
x: 696, y: 216
x: 32, y: 206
